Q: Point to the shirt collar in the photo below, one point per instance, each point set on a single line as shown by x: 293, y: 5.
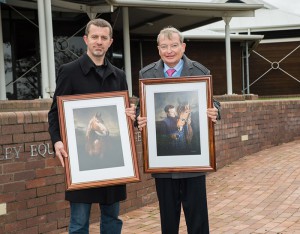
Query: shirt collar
x: 177, y: 67
x: 87, y: 63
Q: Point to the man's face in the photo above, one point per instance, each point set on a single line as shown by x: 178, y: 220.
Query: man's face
x: 98, y: 41
x: 171, y: 51
x: 172, y: 112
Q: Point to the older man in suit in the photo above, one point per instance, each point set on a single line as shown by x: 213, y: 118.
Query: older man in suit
x: 176, y: 189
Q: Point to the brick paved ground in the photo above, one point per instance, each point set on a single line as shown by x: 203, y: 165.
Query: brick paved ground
x: 259, y: 193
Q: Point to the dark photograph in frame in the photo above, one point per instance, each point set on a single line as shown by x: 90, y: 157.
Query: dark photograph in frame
x: 177, y: 123
x: 98, y: 135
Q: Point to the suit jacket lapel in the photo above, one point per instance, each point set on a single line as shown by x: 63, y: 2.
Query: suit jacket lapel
x: 187, y: 67
x: 159, y: 70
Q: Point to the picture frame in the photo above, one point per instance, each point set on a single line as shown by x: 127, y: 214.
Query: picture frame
x: 178, y: 137
x: 99, y: 139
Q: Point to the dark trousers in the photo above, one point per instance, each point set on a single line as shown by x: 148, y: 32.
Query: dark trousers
x: 191, y: 193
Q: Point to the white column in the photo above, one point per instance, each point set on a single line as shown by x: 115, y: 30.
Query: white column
x: 43, y: 49
x: 2, y: 67
x: 228, y: 55
x: 50, y: 47
x: 127, y: 58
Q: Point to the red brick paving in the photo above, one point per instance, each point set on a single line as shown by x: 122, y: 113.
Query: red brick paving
x: 259, y: 193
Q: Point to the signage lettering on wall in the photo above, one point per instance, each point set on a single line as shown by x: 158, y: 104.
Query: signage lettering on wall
x: 41, y: 150
x: 11, y: 152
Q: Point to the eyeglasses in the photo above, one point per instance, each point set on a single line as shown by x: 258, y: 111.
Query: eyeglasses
x: 164, y: 47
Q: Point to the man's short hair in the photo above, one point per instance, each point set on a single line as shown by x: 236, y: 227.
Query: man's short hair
x: 168, y: 31
x: 99, y: 23
x: 168, y: 107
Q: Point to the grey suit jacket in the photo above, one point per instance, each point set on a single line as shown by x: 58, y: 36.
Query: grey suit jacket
x: 190, y: 68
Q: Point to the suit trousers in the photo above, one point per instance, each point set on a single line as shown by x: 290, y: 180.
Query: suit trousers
x: 191, y: 194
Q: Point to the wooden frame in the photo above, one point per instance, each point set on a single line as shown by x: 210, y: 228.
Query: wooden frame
x: 99, y: 140
x: 168, y: 145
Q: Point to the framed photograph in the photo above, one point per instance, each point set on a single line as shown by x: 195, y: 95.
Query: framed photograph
x: 178, y: 136
x: 99, y: 139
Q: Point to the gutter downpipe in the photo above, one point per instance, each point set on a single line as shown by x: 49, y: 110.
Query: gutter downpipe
x: 247, y: 68
x: 127, y: 59
x: 243, y: 69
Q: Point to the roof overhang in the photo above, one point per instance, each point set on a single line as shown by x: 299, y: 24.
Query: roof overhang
x: 148, y: 17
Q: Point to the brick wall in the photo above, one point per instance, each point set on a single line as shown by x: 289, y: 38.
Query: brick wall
x: 32, y: 181
x: 263, y: 123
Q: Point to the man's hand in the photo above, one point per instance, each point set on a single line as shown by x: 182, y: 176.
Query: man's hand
x: 212, y: 113
x: 142, y: 122
x: 130, y: 112
x: 60, y: 152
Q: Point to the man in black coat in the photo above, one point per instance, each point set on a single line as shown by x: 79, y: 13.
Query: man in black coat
x: 91, y: 73
x: 179, y: 189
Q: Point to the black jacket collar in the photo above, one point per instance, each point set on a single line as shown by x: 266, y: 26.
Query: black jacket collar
x: 87, y: 64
